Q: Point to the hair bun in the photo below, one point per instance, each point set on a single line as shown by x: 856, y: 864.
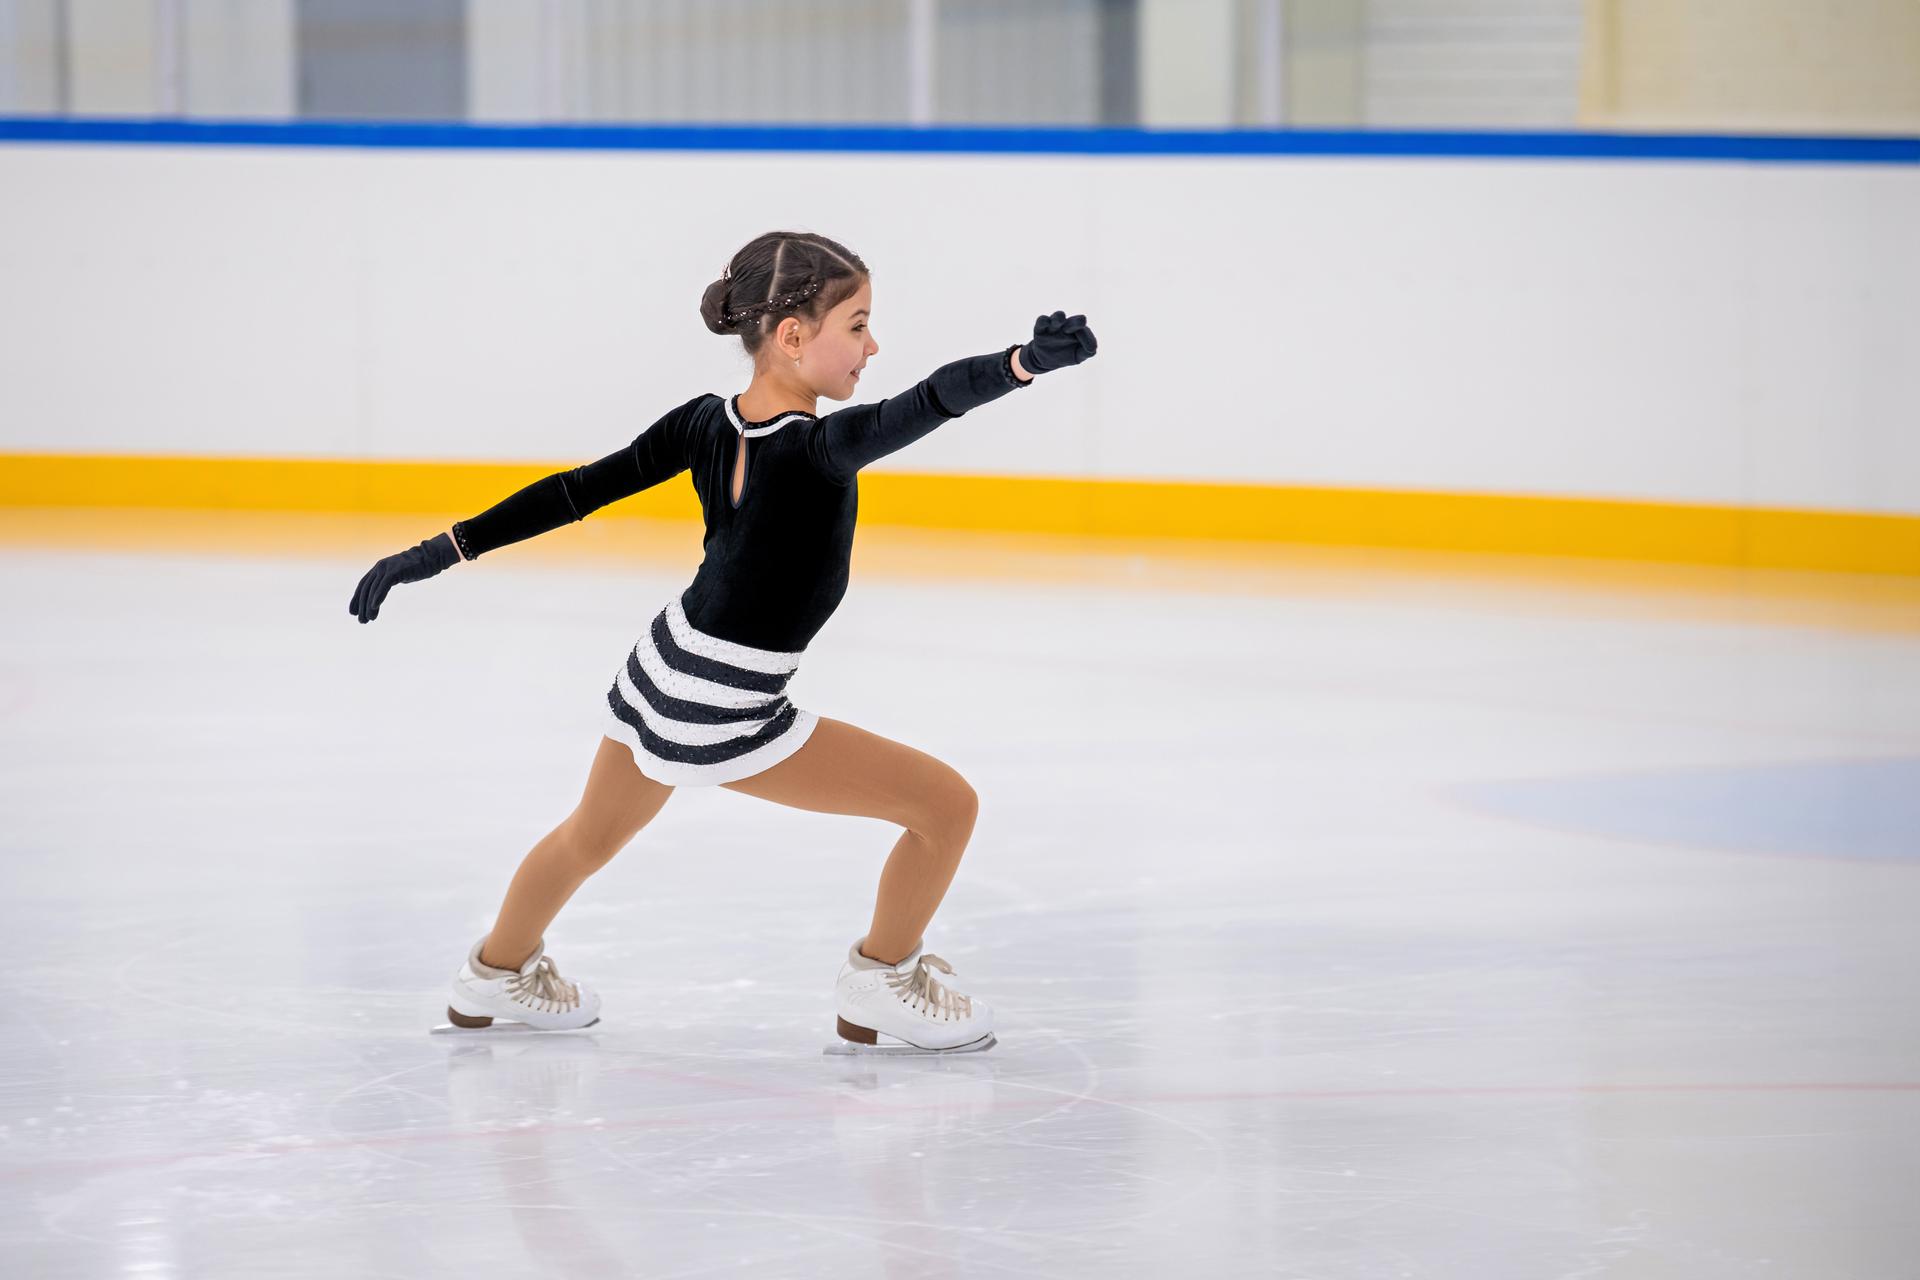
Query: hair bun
x: 713, y: 306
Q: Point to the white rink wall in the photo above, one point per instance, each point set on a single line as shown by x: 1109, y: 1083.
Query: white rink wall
x: 1663, y: 330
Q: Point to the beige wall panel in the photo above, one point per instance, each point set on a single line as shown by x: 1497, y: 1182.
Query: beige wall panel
x: 1814, y: 65
x: 1326, y: 62
x: 239, y: 59
x: 29, y: 75
x: 1186, y: 62
x: 111, y: 57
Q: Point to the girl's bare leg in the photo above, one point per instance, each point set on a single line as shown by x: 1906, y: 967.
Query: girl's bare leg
x: 844, y: 769
x: 619, y: 800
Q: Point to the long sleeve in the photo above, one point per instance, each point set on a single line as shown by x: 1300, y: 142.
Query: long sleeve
x: 659, y: 453
x: 850, y: 438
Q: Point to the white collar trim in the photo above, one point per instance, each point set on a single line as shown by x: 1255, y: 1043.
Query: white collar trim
x: 769, y: 428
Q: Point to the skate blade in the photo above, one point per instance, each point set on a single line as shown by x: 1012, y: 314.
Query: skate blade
x: 503, y: 1028
x: 851, y: 1049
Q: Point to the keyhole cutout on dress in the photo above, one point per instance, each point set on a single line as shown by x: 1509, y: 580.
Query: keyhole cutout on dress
x: 740, y: 469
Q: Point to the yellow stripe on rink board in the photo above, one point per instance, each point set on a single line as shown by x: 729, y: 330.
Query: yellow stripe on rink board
x: 263, y: 484
x: 1753, y: 537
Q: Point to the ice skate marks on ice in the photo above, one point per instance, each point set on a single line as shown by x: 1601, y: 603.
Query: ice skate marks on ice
x: 483, y: 1027
x: 859, y: 1042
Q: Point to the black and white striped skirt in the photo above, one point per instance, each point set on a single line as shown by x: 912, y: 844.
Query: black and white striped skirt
x: 697, y: 710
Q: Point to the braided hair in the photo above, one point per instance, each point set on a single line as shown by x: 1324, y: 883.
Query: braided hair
x: 779, y: 274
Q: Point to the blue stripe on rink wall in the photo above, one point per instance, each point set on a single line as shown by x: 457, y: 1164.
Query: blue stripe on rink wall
x: 1765, y: 149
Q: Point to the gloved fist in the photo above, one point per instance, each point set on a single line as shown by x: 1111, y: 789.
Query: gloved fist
x: 1058, y: 341
x: 415, y: 564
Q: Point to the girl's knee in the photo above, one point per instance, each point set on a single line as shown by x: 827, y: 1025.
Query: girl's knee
x: 951, y: 807
x: 968, y: 802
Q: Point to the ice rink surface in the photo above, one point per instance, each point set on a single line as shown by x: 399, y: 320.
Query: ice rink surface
x: 1346, y: 916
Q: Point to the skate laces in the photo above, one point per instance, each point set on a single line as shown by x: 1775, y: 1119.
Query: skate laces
x: 542, y: 989
x: 925, y: 994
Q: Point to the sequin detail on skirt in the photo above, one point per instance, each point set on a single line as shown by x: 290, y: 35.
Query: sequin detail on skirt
x: 697, y: 710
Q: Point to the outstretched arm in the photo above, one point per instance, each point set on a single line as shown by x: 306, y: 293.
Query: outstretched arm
x: 848, y: 440
x: 665, y: 449
x: 659, y: 453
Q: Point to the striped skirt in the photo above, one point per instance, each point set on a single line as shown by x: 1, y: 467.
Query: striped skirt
x: 697, y: 710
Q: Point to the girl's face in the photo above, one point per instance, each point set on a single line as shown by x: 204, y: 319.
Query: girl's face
x: 831, y: 360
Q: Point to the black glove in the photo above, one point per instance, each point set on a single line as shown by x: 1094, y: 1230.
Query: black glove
x: 415, y: 564
x: 1058, y: 341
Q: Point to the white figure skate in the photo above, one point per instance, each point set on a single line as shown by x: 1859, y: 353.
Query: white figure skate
x: 489, y: 1001
x: 905, y: 1009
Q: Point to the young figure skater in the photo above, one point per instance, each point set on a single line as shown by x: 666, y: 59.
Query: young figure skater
x: 699, y: 700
